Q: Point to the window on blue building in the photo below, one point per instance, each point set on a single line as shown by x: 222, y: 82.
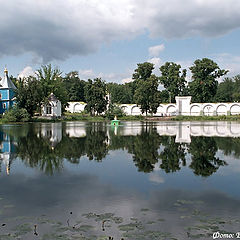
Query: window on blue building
x: 4, y: 106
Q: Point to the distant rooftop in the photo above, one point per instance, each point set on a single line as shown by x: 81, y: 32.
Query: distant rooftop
x: 52, y: 97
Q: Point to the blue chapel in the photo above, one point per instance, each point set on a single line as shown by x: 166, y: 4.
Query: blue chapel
x: 7, y: 93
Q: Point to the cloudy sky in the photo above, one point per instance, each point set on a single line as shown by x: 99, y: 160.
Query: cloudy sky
x: 108, y: 38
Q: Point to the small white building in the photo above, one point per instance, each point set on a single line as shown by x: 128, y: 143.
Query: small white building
x: 52, y: 108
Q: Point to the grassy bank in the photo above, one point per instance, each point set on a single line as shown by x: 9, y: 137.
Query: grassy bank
x: 85, y: 117
x: 206, y: 118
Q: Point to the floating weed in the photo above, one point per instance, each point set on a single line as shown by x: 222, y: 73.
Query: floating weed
x: 85, y: 228
x: 185, y: 202
x: 8, y: 206
x: 7, y: 237
x: 161, y: 220
x: 150, y: 222
x: 196, y: 236
x: 183, y: 217
x: 181, y: 209
x: 153, y: 235
x: 130, y: 226
x: 55, y: 236
x: 22, y: 229
x: 144, y: 209
x: 102, y: 238
x: 117, y: 220
x: 196, y: 212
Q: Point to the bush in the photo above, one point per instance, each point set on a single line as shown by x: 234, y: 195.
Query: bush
x: 16, y: 114
x: 113, y: 111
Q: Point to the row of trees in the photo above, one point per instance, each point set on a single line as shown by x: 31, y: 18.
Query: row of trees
x: 143, y: 90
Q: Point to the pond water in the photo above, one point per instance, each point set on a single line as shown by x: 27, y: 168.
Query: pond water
x: 158, y: 180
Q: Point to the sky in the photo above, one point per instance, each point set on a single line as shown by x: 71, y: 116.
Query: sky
x: 108, y: 38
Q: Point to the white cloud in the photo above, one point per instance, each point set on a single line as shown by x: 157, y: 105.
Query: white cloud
x: 228, y: 62
x: 154, y: 51
x: 58, y: 29
x: 126, y: 80
x: 26, y: 72
x: 156, y: 61
x: 87, y: 74
x: 108, y: 77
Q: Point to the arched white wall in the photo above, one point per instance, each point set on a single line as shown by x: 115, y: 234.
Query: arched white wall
x: 185, y: 108
x: 195, y: 110
x: 208, y: 110
x: 221, y: 109
x: 78, y: 108
x: 171, y: 109
x: 135, y: 110
x: 235, y: 109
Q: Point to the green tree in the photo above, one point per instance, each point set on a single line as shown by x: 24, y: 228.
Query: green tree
x: 173, y: 79
x: 114, y: 110
x: 143, y: 71
x: 146, y: 94
x: 29, y: 94
x: 236, y: 93
x: 95, y: 95
x: 225, y: 91
x: 52, y: 82
x: 164, y: 96
x: 131, y: 88
x: 119, y: 93
x: 74, y: 86
x: 205, y: 73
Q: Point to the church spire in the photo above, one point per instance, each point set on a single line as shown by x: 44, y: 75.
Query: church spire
x: 5, y: 71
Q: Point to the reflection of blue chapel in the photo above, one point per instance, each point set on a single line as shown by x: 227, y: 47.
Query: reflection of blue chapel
x: 7, y: 92
x: 7, y: 149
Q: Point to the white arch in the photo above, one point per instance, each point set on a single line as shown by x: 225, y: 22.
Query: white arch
x: 78, y: 107
x: 208, y: 109
x: 235, y: 109
x: 221, y: 109
x: 135, y: 110
x: 171, y: 109
x: 195, y: 110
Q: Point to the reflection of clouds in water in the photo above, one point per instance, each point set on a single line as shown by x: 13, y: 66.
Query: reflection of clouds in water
x: 84, y: 193
x: 155, y: 175
x: 233, y: 162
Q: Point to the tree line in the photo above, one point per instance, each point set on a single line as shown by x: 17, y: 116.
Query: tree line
x: 143, y: 90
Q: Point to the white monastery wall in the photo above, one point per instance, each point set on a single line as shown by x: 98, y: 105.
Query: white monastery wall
x: 183, y: 106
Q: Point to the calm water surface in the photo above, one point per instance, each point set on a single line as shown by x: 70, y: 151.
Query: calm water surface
x: 79, y: 180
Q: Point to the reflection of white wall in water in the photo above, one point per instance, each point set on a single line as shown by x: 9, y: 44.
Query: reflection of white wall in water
x: 183, y: 106
x: 182, y: 130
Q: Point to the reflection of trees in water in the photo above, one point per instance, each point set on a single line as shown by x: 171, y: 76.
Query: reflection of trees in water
x: 96, y: 142
x: 229, y: 145
x: 37, y: 151
x: 172, y: 155
x: 204, y: 160
x: 146, y: 148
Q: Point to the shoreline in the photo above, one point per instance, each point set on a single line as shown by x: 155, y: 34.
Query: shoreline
x: 78, y: 117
